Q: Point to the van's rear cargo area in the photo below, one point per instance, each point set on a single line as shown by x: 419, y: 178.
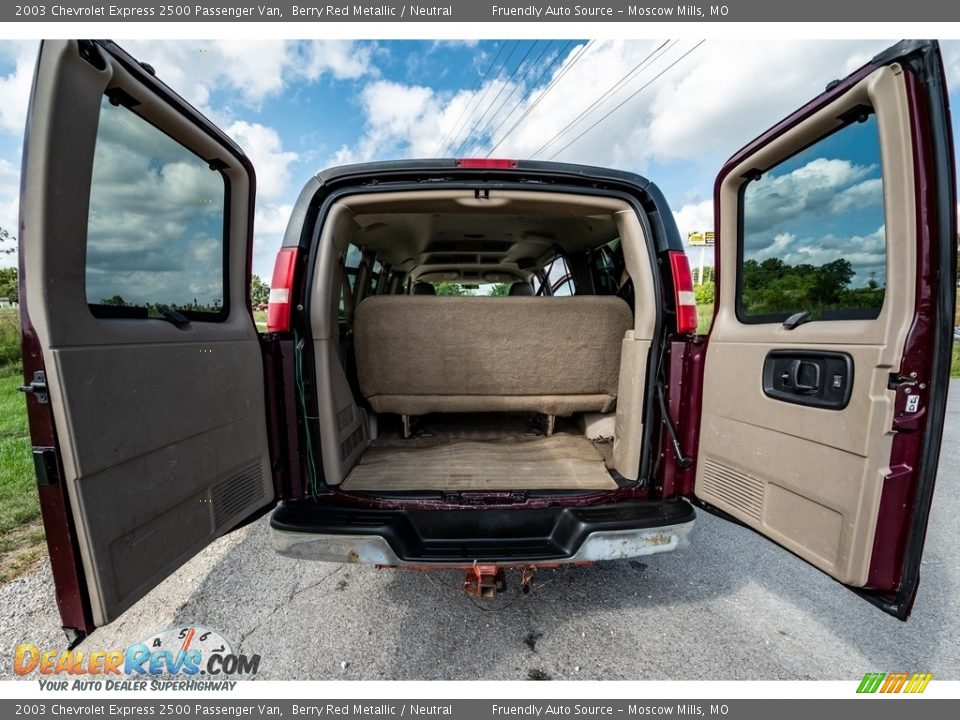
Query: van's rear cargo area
x: 482, y: 451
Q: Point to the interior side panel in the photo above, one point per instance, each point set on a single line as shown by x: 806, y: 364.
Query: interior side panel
x: 808, y: 477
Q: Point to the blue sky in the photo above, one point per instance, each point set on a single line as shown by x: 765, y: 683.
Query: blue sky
x: 670, y: 110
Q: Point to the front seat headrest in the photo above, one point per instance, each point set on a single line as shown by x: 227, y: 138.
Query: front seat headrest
x: 424, y: 288
x: 521, y: 288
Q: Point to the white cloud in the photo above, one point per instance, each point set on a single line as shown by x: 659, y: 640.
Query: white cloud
x: 15, y: 87
x: 272, y: 163
x: 709, y: 104
x: 256, y: 69
x: 819, y: 187
x: 343, y: 60
x: 951, y: 62
x: 406, y: 121
x: 269, y: 226
x: 9, y: 208
x: 271, y: 219
x: 694, y: 217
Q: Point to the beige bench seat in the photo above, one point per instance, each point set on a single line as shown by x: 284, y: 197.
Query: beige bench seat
x: 419, y: 354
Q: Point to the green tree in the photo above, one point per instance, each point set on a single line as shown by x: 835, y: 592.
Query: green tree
x: 8, y: 243
x: 259, y: 290
x: 704, y: 293
x: 450, y: 288
x: 9, y: 287
x: 500, y: 290
x: 707, y: 273
x: 830, y: 280
x: 772, y: 287
x: 116, y: 301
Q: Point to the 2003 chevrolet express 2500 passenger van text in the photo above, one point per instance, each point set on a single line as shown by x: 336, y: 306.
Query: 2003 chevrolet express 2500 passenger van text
x: 579, y: 418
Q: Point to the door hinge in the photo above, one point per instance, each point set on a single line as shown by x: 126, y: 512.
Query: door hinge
x: 37, y: 387
x: 894, y: 381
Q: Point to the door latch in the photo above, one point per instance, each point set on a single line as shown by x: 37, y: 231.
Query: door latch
x: 37, y: 387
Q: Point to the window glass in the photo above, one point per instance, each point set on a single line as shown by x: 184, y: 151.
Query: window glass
x: 558, y: 278
x: 606, y: 264
x: 353, y: 257
x: 375, y: 277
x: 565, y: 288
x: 813, y: 232
x: 155, y: 233
x: 351, y: 263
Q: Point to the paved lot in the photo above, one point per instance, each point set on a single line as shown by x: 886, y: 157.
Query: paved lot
x: 732, y: 606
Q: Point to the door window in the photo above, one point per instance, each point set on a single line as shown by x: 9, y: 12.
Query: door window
x: 155, y: 229
x: 813, y: 234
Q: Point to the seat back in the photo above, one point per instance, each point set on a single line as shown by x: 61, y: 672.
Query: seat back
x: 555, y: 355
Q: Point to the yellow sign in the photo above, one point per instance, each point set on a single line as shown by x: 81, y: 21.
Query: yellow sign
x: 700, y: 238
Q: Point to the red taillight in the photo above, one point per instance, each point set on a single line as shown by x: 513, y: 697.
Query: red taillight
x: 281, y: 290
x: 486, y: 163
x: 683, y: 296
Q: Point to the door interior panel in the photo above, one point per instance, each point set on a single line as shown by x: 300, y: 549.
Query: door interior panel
x: 809, y: 474
x: 162, y: 427
x: 163, y: 444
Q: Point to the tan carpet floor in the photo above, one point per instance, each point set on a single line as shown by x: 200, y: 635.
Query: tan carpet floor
x: 481, y: 461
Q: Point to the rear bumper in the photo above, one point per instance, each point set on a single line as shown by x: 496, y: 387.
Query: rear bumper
x: 542, y: 536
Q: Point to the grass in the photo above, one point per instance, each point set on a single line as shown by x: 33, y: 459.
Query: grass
x: 955, y: 360
x: 260, y: 317
x: 704, y: 318
x: 10, y: 361
x: 21, y: 535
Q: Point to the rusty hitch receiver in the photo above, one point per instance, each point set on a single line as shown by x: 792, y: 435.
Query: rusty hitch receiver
x: 488, y: 581
x: 485, y: 581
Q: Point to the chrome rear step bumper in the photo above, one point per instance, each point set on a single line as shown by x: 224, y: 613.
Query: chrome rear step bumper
x: 454, y: 538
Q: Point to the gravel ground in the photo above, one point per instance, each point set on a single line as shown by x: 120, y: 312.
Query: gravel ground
x: 733, y: 606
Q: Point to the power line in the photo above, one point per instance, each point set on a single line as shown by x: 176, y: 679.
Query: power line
x: 628, y: 99
x: 581, y: 51
x: 519, y: 84
x: 476, y: 87
x: 609, y: 91
x: 499, y: 93
x: 533, y: 86
x: 478, y: 99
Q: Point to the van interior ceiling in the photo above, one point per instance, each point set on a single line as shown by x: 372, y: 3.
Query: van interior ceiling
x: 541, y: 389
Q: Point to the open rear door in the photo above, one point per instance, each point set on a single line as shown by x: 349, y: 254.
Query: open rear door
x: 144, y: 371
x: 828, y: 362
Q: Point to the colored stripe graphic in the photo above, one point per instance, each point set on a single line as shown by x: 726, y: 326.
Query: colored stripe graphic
x: 898, y: 682
x: 870, y: 683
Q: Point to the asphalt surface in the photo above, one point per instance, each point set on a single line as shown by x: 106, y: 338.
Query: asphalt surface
x: 733, y: 606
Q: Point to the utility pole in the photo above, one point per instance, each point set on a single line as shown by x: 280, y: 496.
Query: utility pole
x: 701, y: 240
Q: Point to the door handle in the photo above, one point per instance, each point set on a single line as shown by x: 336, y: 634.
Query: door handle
x: 797, y: 368
x: 816, y: 378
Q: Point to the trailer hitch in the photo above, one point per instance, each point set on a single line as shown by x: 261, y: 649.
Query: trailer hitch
x: 485, y: 581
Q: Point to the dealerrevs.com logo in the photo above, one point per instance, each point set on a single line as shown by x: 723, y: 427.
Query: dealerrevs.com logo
x: 178, y: 658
